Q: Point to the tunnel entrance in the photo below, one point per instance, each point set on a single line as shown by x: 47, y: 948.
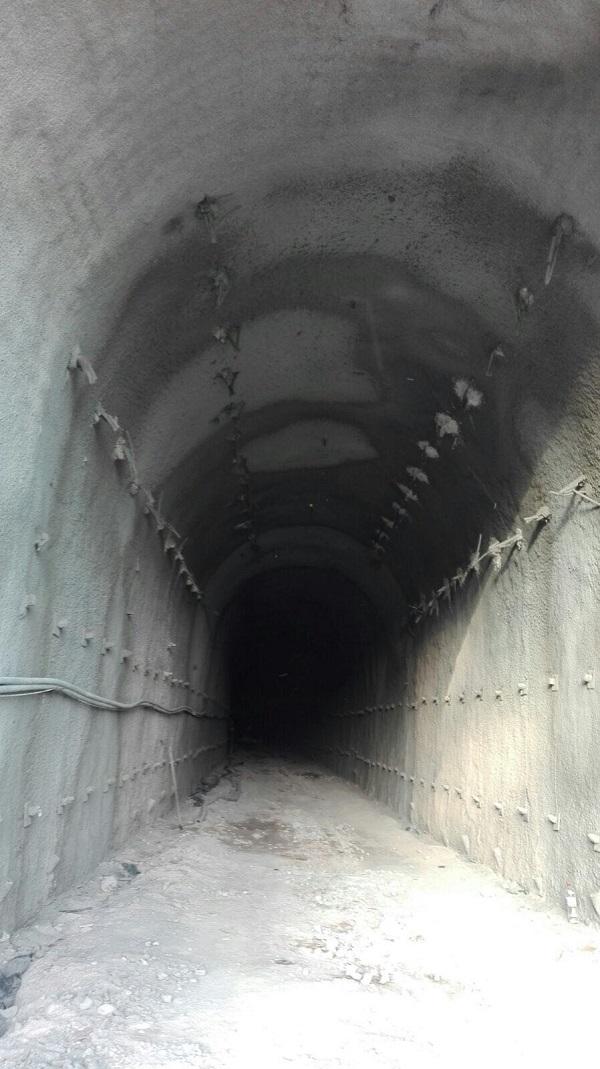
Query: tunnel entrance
x: 301, y: 642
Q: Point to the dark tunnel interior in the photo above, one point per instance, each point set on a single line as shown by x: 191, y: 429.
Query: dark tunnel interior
x: 302, y: 642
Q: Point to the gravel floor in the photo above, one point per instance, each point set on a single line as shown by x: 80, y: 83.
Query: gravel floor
x: 295, y: 922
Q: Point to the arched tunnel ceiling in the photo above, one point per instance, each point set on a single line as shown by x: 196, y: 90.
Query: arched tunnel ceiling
x: 294, y: 228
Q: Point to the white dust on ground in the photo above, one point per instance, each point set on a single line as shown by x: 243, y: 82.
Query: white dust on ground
x: 298, y: 924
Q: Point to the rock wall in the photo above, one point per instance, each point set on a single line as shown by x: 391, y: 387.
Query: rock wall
x: 92, y: 596
x: 488, y: 738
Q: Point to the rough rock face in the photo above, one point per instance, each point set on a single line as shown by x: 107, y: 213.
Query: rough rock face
x: 301, y: 291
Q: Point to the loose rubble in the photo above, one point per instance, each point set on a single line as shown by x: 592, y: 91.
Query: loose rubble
x: 292, y: 922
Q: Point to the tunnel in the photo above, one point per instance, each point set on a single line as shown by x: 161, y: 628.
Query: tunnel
x: 301, y: 642
x: 300, y: 422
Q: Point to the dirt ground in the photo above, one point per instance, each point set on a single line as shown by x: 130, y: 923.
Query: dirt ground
x: 295, y: 922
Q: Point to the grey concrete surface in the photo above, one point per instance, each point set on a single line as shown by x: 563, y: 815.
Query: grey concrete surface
x: 231, y: 225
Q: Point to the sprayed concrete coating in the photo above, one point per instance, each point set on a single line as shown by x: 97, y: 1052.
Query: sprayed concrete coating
x: 251, y: 225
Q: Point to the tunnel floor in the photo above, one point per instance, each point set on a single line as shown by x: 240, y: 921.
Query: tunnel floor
x: 294, y: 922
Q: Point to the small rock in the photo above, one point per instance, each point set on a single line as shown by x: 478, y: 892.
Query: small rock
x: 16, y: 966
x: 105, y: 1010
x: 108, y: 884
x: 10, y: 979
x: 167, y: 998
x: 129, y: 869
x: 85, y: 1004
x: 79, y: 1024
x: 35, y: 1028
x: 514, y: 888
x: 77, y: 905
x: 36, y: 937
